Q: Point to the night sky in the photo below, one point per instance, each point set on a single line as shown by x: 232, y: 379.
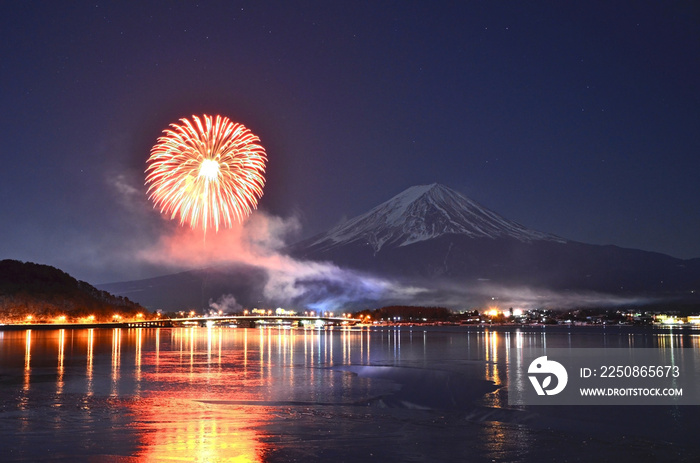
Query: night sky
x: 580, y: 119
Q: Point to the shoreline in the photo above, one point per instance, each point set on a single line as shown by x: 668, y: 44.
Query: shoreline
x: 466, y: 327
x: 73, y: 326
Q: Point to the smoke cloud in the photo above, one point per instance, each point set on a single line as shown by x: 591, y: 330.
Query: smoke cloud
x: 324, y: 286
x: 226, y: 304
x: 258, y: 243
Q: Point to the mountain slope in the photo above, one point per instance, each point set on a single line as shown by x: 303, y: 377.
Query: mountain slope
x: 433, y: 232
x: 423, y: 213
x: 194, y: 289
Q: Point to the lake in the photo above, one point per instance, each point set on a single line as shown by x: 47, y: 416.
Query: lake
x: 337, y: 394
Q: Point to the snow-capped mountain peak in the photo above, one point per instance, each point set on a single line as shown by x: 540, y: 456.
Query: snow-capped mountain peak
x: 423, y: 212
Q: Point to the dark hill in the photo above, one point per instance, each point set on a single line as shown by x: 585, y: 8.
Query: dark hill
x: 45, y: 292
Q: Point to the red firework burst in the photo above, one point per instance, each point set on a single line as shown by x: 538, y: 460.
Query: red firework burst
x: 207, y: 171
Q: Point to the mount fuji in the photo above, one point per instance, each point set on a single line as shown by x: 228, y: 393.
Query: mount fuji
x: 438, y: 234
x: 422, y: 213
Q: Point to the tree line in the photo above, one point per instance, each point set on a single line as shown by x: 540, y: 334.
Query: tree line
x: 44, y: 292
x: 408, y: 313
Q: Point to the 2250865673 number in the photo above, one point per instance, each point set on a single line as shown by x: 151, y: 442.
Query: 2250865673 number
x: 636, y: 371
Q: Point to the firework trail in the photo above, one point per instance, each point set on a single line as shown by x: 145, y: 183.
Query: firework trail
x: 207, y: 171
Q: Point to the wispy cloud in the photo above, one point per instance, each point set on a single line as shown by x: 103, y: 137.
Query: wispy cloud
x: 482, y: 293
x: 258, y: 243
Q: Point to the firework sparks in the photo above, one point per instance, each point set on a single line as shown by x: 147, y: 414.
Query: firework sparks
x: 207, y: 171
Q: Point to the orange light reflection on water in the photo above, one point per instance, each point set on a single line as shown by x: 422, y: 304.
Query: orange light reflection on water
x: 198, y: 431
x: 207, y: 408
x: 27, y: 360
x: 116, y: 360
x: 90, y: 361
x: 189, y: 394
x: 60, y: 382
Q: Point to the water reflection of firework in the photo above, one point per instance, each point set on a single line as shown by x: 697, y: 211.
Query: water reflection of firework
x: 208, y: 172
